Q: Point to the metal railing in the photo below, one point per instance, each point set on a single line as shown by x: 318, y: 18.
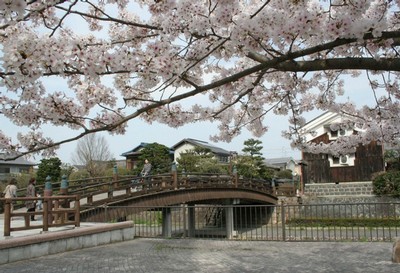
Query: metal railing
x: 324, y: 222
x: 56, y: 212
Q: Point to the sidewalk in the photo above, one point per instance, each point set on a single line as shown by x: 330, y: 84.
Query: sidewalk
x: 219, y: 256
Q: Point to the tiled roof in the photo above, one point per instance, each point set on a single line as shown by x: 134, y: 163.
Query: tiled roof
x: 202, y: 144
x: 19, y: 161
x: 136, y: 149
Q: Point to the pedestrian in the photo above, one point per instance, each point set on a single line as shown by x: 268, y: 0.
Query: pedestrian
x: 39, y: 204
x: 11, y: 191
x: 146, y: 168
x: 31, y: 192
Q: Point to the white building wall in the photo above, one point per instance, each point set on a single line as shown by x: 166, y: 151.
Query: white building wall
x: 182, y: 149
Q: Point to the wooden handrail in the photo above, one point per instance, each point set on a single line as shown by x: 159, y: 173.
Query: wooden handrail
x: 55, y: 213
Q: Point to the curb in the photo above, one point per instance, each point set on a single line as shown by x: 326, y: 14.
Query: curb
x: 22, y: 248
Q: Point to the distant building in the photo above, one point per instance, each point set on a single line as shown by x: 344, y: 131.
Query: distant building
x: 325, y: 167
x: 132, y: 156
x: 187, y: 144
x: 15, y: 167
x: 282, y: 163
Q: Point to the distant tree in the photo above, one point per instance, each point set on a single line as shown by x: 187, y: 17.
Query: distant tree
x: 200, y: 160
x: 251, y: 164
x: 252, y: 147
x: 49, y: 167
x: 392, y: 159
x: 159, y: 157
x: 190, y: 160
x: 285, y: 174
x: 92, y: 151
x: 66, y: 169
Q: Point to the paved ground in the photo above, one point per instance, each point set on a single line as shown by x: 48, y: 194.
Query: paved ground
x: 189, y: 255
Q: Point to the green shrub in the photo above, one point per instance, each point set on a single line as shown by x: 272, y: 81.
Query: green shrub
x: 342, y: 222
x: 387, y: 184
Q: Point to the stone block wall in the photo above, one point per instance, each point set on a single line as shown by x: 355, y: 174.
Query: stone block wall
x: 340, y: 189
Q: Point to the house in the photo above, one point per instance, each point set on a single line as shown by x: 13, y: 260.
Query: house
x: 282, y: 163
x: 358, y: 165
x: 187, y: 144
x: 132, y: 156
x: 9, y: 168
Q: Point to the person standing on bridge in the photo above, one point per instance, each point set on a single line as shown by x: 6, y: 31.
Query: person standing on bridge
x: 11, y: 191
x: 146, y: 168
x: 31, y: 192
x: 145, y: 172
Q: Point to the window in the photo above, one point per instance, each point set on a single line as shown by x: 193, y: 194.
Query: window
x: 4, y: 170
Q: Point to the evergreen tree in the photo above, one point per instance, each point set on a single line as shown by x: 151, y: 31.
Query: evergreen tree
x: 49, y: 167
x: 251, y: 164
x: 159, y: 157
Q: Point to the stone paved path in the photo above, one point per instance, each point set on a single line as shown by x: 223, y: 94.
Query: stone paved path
x: 190, y: 255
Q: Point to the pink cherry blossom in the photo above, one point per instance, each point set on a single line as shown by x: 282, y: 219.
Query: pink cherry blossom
x: 95, y: 65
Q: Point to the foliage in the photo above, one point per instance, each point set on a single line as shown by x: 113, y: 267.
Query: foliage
x: 159, y: 157
x: 284, y: 174
x: 343, y: 222
x: 120, y: 171
x: 49, y: 167
x: 251, y: 59
x: 392, y: 159
x: 199, y: 160
x: 251, y: 164
x: 66, y: 169
x: 387, y: 183
x: 252, y: 147
x: 80, y: 174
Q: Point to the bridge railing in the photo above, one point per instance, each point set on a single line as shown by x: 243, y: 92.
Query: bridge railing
x: 56, y: 212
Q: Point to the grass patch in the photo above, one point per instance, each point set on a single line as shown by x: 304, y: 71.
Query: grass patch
x: 322, y: 222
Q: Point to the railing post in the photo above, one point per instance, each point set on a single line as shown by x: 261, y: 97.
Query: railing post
x: 48, y: 191
x: 7, y: 217
x: 46, y: 202
x: 77, y: 211
x: 174, y: 176
x: 115, y: 176
x: 235, y: 177
x: 110, y: 190
x: 283, y: 219
x: 64, y: 185
x: 64, y: 191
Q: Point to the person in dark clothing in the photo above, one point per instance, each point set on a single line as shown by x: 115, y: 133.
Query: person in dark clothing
x: 31, y: 192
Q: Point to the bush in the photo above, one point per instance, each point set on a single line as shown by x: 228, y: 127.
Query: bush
x: 342, y: 222
x: 387, y: 184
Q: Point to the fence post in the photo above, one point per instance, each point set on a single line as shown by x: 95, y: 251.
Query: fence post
x: 64, y: 185
x: 115, y: 176
x: 7, y: 217
x: 174, y: 176
x: 283, y: 219
x: 64, y: 191
x: 235, y: 176
x: 48, y: 191
x: 77, y: 211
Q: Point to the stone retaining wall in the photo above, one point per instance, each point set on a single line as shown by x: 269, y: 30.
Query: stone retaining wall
x: 22, y: 248
x: 340, y: 189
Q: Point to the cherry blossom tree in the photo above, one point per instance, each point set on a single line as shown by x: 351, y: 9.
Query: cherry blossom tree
x: 154, y: 59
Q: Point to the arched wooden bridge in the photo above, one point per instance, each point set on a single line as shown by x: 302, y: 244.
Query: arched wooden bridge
x: 118, y: 198
x: 168, y: 190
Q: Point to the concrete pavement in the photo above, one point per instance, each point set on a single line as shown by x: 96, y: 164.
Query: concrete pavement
x: 196, y: 255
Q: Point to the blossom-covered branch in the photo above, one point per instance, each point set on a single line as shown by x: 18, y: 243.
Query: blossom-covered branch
x: 120, y: 60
